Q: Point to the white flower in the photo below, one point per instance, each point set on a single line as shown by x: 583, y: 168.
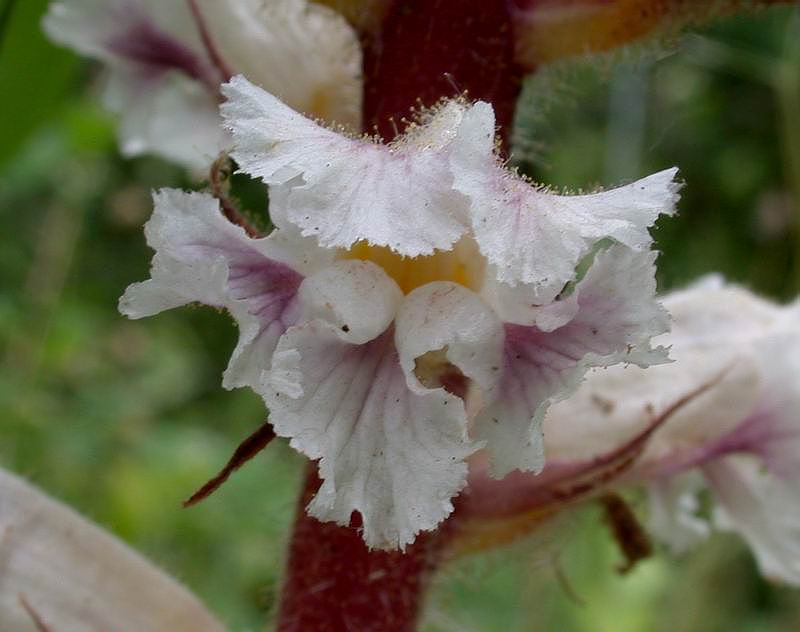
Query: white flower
x: 60, y: 572
x: 740, y: 438
x: 166, y: 60
x: 376, y: 314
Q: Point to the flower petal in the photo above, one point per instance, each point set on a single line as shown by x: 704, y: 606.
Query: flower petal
x: 68, y: 573
x: 357, y: 297
x: 537, y: 238
x: 202, y: 257
x: 132, y: 32
x: 393, y: 455
x: 742, y: 432
x: 84, y: 25
x: 304, y: 53
x: 445, y: 316
x: 398, y: 196
x: 673, y: 515
x: 391, y: 448
x: 719, y: 333
x: 616, y: 317
x: 710, y: 313
x: 159, y: 79
x: 764, y: 510
x: 617, y: 402
x: 175, y: 118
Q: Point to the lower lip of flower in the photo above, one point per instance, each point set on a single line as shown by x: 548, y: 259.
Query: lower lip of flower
x: 463, y: 264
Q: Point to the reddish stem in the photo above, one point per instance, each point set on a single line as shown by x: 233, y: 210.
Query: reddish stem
x: 335, y: 583
x: 429, y: 49
x: 218, y: 183
x: 425, y: 50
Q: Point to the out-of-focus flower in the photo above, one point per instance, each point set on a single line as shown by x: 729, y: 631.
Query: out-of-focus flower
x: 60, y: 572
x: 405, y: 284
x: 740, y: 438
x: 166, y: 61
x: 365, y: 15
x: 549, y: 30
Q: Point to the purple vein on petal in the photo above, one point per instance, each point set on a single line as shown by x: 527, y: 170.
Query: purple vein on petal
x: 154, y: 51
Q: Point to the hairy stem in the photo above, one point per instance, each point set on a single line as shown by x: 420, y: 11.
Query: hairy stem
x: 218, y: 184
x: 335, y: 583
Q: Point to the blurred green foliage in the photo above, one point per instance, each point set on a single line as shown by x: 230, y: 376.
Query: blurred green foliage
x: 124, y: 419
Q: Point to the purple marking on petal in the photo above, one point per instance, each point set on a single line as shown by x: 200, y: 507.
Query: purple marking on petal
x: 539, y: 363
x: 558, y: 348
x: 265, y: 276
x: 154, y: 51
x: 763, y: 434
x: 755, y: 435
x: 535, y: 365
x: 269, y: 287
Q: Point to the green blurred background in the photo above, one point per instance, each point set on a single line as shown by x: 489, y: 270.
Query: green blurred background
x: 122, y: 419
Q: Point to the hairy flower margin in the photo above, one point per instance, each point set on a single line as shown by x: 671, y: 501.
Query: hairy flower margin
x: 165, y: 62
x: 417, y: 301
x: 739, y: 440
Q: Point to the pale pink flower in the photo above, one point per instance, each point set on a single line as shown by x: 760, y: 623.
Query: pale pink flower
x: 404, y: 285
x: 740, y: 438
x: 166, y: 59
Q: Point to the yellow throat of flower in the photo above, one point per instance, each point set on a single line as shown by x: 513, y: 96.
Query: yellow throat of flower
x: 463, y: 265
